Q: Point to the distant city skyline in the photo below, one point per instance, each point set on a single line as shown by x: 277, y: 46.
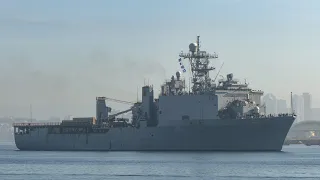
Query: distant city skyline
x: 301, y: 105
x: 282, y: 106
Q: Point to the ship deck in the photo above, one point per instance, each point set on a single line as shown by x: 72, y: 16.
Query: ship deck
x: 48, y: 124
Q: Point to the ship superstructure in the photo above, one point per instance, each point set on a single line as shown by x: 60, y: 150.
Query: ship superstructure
x: 223, y: 116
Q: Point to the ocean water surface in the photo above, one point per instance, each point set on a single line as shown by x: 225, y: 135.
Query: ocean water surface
x: 295, y: 162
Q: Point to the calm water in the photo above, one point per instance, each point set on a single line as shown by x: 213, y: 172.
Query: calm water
x: 296, y: 162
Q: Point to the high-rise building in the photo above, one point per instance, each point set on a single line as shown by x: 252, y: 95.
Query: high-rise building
x: 307, y: 106
x: 271, y: 103
x: 298, y: 107
x: 282, y: 106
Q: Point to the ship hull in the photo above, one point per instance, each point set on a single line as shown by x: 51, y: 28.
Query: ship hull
x: 263, y: 134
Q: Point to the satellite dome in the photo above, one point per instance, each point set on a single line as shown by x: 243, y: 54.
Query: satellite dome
x: 178, y: 73
x: 193, y: 47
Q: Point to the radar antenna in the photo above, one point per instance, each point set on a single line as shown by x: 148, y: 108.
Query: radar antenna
x: 199, y: 62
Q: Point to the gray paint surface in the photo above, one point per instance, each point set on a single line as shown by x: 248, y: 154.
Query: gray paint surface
x: 266, y: 134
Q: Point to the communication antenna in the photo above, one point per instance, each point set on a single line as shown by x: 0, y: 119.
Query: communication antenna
x: 292, y: 111
x: 198, y: 43
x: 200, y: 68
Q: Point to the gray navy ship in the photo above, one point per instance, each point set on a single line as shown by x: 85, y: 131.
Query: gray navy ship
x: 222, y: 115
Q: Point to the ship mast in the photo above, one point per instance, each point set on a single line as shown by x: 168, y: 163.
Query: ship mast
x: 199, y: 62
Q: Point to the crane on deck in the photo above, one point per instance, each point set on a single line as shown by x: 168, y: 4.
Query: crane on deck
x: 119, y: 101
x: 112, y: 116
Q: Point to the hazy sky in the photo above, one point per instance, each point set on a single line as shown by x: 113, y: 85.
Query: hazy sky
x: 59, y: 55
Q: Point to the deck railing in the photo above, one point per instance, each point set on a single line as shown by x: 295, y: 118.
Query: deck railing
x: 38, y: 124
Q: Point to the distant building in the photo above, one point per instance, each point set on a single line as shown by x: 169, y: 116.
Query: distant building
x: 307, y: 106
x: 282, y: 106
x: 298, y: 107
x: 271, y: 103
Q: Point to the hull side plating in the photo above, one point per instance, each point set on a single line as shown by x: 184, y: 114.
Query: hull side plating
x: 266, y: 134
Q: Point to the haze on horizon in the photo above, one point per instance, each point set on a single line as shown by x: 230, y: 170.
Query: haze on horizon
x: 59, y: 55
